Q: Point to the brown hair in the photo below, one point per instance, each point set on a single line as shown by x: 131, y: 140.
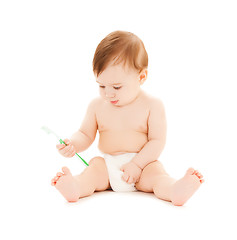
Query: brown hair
x: 123, y: 47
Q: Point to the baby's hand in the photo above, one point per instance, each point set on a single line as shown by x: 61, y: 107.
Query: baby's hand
x: 67, y: 150
x: 132, y: 172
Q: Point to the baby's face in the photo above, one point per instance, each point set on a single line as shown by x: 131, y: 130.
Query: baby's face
x: 119, y: 85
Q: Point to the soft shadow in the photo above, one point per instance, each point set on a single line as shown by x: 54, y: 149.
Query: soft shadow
x: 105, y: 194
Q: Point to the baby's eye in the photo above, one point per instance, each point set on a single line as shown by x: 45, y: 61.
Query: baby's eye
x: 102, y: 86
x: 117, y: 88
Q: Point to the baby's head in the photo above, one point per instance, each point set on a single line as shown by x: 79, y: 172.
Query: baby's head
x: 120, y: 47
x: 120, y: 66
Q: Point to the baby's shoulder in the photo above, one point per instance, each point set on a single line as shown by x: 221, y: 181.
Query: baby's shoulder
x: 95, y: 103
x: 154, y: 102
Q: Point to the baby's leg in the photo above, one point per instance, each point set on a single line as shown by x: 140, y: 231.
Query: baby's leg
x: 93, y: 178
x: 155, y: 179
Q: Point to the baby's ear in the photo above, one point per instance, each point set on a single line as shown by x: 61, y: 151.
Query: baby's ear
x: 143, y: 76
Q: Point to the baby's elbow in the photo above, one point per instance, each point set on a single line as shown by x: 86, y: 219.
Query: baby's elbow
x: 159, y: 143
x: 89, y: 139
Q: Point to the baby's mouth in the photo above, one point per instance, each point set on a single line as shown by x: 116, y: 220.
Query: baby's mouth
x: 114, y: 102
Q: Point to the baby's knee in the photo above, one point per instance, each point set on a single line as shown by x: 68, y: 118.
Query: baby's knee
x: 98, y: 165
x: 98, y: 168
x: 97, y: 161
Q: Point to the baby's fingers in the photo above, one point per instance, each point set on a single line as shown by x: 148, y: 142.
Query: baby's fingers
x: 67, y: 141
x: 71, y: 152
x: 131, y: 180
x: 60, y: 146
x: 65, y: 150
x: 125, y: 177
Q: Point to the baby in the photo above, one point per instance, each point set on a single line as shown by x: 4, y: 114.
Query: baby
x: 132, y: 130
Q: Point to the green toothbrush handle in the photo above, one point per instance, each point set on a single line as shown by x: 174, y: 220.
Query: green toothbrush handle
x: 62, y: 142
x: 82, y: 159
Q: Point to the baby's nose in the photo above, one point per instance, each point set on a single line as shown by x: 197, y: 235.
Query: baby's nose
x: 109, y: 94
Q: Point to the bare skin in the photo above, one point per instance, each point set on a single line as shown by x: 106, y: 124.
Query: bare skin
x: 128, y: 120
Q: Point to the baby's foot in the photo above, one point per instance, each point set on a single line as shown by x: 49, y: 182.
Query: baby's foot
x: 67, y: 185
x: 184, y: 188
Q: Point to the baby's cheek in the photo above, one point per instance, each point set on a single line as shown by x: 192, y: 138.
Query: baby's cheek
x: 101, y: 93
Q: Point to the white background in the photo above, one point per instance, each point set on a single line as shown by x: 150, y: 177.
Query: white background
x: 46, y: 52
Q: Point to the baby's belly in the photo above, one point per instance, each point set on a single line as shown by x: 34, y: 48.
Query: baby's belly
x: 117, y: 142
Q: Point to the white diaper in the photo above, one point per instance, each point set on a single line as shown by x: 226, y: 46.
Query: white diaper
x: 114, y: 163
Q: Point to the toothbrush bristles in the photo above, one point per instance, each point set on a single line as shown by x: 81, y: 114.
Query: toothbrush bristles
x: 47, y: 130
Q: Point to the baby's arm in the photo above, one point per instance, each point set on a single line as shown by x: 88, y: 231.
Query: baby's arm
x: 156, y: 136
x: 85, y: 136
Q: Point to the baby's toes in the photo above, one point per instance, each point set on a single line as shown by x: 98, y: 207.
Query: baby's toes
x: 200, y: 176
x: 190, y: 171
x: 53, y: 183
x: 54, y: 180
x: 59, y: 174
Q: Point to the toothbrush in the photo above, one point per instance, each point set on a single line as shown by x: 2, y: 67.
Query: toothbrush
x: 47, y: 130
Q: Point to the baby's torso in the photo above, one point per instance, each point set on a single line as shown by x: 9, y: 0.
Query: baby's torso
x: 122, y: 129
